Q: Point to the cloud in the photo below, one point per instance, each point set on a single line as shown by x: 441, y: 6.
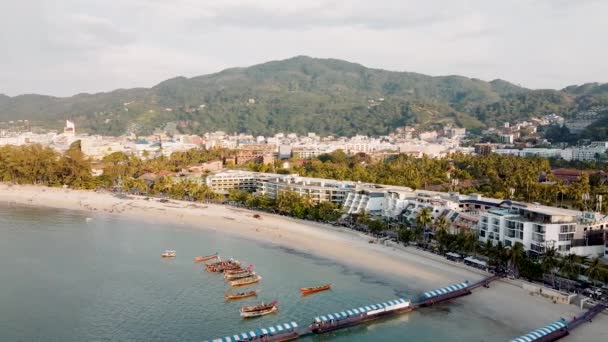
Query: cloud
x: 70, y: 46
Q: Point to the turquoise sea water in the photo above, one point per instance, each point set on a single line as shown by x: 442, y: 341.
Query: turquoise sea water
x: 65, y: 279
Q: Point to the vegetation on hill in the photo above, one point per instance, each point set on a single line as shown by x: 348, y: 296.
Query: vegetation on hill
x: 302, y: 94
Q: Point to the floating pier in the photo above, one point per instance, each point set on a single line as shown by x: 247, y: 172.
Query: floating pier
x: 561, y: 328
x: 551, y: 332
x: 351, y: 317
x: 444, y: 294
x: 281, y: 332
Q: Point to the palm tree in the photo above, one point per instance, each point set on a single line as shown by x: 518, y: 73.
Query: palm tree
x: 442, y: 223
x: 569, y: 266
x: 423, y: 218
x: 596, y: 271
x: 500, y: 255
x: 517, y: 255
x: 487, y: 249
x: 470, y: 242
x: 442, y: 236
x: 549, y: 262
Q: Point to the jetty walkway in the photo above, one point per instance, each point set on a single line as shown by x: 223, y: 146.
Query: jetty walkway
x: 356, y: 316
x: 561, y: 328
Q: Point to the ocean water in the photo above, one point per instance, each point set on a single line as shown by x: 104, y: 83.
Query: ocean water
x: 65, y: 279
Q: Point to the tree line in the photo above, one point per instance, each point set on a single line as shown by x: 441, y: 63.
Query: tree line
x: 526, y: 179
x: 288, y: 203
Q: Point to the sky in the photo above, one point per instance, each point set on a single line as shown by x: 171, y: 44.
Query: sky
x: 65, y: 47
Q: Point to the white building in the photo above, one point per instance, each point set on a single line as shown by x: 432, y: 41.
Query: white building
x: 589, y: 153
x: 537, y: 227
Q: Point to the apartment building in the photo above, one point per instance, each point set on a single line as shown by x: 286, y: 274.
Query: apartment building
x: 222, y: 182
x: 591, y: 152
x: 537, y: 227
x: 318, y: 189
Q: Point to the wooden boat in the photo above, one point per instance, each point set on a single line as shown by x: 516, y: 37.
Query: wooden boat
x: 206, y: 258
x: 239, y: 270
x: 223, y: 265
x: 222, y: 268
x: 236, y: 271
x: 309, y: 290
x: 240, y: 295
x: 217, y: 263
x: 238, y: 275
x: 168, y: 254
x: 258, y: 313
x: 246, y: 281
x: 259, y: 307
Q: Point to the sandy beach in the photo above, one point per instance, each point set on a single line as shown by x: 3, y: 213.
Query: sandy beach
x: 504, y: 303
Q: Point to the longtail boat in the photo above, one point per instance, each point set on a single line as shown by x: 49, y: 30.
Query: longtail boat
x: 206, y: 258
x: 240, y: 295
x: 260, y: 307
x: 168, y: 254
x: 309, y: 290
x: 259, y: 313
x: 246, y: 281
x: 225, y: 268
x: 239, y: 270
x: 236, y: 271
x: 221, y: 262
x: 223, y: 265
x: 239, y: 275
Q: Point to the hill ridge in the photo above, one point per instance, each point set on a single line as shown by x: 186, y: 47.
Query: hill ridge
x: 301, y: 94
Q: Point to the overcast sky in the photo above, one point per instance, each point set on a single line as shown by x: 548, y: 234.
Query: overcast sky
x: 63, y: 47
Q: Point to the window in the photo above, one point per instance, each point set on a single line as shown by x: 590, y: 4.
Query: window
x: 483, y: 234
x: 565, y: 228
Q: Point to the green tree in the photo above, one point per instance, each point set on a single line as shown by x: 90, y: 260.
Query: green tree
x: 404, y: 235
x: 517, y: 255
x: 569, y: 266
x: 550, y: 262
x: 423, y: 219
x: 596, y: 271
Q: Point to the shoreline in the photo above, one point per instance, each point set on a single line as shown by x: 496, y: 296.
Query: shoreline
x: 503, y: 302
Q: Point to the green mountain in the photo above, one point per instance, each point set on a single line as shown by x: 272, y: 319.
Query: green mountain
x: 302, y: 94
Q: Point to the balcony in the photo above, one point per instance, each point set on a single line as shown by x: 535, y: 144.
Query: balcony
x: 538, y: 237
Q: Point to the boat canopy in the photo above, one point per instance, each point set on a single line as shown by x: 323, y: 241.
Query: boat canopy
x: 354, y: 312
x: 246, y: 336
x: 537, y: 334
x: 445, y: 290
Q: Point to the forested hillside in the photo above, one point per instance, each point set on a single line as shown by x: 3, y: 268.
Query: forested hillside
x: 303, y: 94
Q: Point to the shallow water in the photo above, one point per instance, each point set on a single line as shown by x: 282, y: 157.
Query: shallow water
x: 65, y: 279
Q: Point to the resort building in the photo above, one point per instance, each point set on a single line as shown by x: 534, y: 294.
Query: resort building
x: 318, y: 189
x: 271, y: 184
x: 537, y: 227
x: 222, y: 182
